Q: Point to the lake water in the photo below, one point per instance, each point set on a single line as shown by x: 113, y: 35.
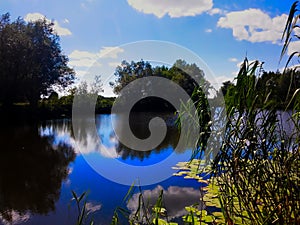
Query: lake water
x: 41, y: 163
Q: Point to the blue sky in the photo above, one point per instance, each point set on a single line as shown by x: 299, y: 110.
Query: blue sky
x: 220, y: 32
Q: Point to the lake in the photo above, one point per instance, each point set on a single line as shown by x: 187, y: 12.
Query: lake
x: 41, y: 163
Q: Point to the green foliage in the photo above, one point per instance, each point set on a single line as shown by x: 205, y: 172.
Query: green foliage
x: 256, y: 172
x: 203, y: 113
x: 81, y: 208
x: 181, y: 73
x: 245, y: 92
x: 200, y: 171
x: 193, y: 170
x: 55, y: 106
x: 272, y: 89
x: 257, y: 167
x: 158, y: 214
x: 287, y: 35
x: 31, y: 61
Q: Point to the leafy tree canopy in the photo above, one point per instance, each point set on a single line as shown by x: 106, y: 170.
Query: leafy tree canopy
x: 31, y: 61
x: 181, y: 73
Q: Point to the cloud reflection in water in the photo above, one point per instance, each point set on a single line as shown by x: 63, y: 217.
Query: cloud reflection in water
x: 175, y: 199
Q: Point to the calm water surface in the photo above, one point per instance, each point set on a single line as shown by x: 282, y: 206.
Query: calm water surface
x: 41, y: 163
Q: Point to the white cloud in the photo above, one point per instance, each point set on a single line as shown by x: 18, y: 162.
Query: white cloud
x: 61, y: 30
x: 80, y: 73
x: 232, y: 59
x: 87, y: 59
x: 238, y: 66
x: 83, y: 5
x: 293, y: 47
x: 208, y: 30
x: 218, y: 80
x: 216, y: 11
x: 254, y: 25
x: 77, y: 54
x: 114, y: 64
x: 32, y: 17
x: 87, y: 64
x: 86, y: 4
x: 82, y: 62
x: 83, y: 144
x: 110, y: 52
x: 82, y: 58
x: 173, y: 8
x: 290, y: 67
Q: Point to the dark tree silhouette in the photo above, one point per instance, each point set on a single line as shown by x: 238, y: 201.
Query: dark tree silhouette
x: 181, y: 73
x: 31, y: 61
x: 31, y: 170
x: 188, y: 76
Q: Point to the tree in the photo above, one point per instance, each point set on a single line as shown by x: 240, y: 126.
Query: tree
x: 127, y: 72
x: 226, y: 86
x: 181, y: 73
x: 188, y: 76
x: 31, y: 61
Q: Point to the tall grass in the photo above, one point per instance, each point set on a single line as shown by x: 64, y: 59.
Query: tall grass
x: 256, y: 172
x: 257, y: 168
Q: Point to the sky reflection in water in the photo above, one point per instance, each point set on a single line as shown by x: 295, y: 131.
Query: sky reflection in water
x: 103, y: 194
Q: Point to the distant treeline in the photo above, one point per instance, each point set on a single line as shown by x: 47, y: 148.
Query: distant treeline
x: 52, y: 107
x: 279, y: 87
x: 32, y: 65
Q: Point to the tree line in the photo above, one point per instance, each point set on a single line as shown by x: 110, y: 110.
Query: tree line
x: 187, y: 76
x: 32, y: 64
x: 272, y: 89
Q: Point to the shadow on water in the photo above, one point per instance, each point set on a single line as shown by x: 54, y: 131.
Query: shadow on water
x: 31, y: 171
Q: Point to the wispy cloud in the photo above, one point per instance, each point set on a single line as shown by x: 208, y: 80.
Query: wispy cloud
x: 174, y: 8
x: 38, y: 16
x: 238, y: 66
x: 220, y: 79
x: 87, y: 59
x: 293, y: 47
x: 216, y: 11
x: 110, y: 52
x: 233, y: 60
x: 254, y: 25
x: 85, y: 4
x: 208, y: 30
x: 114, y: 64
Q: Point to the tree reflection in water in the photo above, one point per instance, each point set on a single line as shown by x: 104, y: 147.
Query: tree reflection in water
x: 35, y: 157
x: 139, y: 124
x: 105, y: 142
x: 31, y: 171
